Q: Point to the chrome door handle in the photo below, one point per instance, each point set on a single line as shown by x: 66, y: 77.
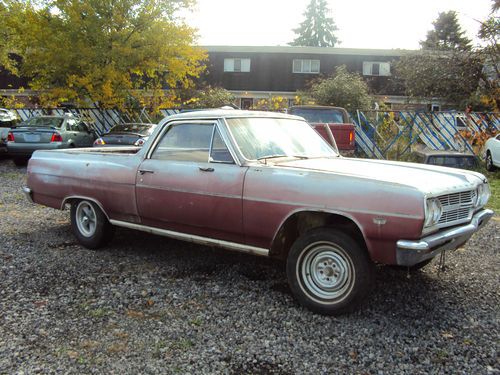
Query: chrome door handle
x: 207, y: 169
x: 142, y: 171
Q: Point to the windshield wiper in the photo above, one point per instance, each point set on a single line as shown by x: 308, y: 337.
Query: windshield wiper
x: 275, y: 156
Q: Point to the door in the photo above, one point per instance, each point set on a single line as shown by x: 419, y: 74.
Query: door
x: 87, y: 139
x: 190, y: 183
x: 74, y: 136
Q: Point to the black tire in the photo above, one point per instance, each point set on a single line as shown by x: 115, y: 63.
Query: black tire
x: 489, y: 162
x: 329, y: 272
x: 20, y: 161
x: 89, y: 224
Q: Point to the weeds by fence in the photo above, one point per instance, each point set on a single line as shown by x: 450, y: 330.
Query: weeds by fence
x: 393, y: 134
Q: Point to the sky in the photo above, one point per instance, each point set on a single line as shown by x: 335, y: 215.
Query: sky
x: 383, y: 24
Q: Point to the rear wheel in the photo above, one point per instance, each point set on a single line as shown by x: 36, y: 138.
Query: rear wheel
x: 90, y: 225
x: 329, y: 272
x: 489, y: 162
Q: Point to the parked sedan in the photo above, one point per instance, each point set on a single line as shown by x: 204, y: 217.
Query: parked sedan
x: 7, y: 120
x: 47, y: 133
x: 492, y: 153
x: 452, y: 159
x: 126, y: 135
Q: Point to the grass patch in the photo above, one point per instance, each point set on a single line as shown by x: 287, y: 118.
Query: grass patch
x: 494, y: 202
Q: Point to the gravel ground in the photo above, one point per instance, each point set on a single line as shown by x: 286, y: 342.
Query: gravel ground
x: 147, y: 304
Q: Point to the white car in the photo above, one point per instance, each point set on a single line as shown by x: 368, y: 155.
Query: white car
x: 492, y: 153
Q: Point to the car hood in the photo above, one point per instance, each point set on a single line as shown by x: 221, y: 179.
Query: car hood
x: 430, y: 180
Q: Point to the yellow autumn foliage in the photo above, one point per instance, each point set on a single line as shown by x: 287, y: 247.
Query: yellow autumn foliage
x: 107, y: 53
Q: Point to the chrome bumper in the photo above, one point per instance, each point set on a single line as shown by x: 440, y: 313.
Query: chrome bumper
x: 27, y: 192
x: 409, y: 253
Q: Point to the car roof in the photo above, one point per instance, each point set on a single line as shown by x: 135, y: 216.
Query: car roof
x: 316, y: 107
x: 443, y: 153
x: 135, y: 123
x: 230, y: 113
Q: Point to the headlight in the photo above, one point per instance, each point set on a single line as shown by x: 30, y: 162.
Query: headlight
x: 433, y: 212
x: 483, y: 194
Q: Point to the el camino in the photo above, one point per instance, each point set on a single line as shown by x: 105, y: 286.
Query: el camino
x: 267, y: 184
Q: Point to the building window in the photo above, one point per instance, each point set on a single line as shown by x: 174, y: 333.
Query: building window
x: 236, y: 65
x: 376, y: 68
x: 306, y: 66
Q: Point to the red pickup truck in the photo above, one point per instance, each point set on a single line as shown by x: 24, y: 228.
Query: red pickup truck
x: 328, y: 122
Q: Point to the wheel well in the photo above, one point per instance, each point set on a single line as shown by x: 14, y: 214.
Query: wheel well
x: 301, y: 222
x: 70, y: 201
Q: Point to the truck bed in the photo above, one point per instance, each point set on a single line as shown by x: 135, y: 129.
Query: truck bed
x: 105, y: 175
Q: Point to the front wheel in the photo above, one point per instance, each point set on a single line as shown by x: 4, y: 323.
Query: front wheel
x: 90, y: 225
x: 489, y: 162
x: 329, y: 272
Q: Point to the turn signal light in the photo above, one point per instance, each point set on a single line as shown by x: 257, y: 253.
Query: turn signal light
x: 56, y: 137
x: 351, y: 136
x: 10, y: 137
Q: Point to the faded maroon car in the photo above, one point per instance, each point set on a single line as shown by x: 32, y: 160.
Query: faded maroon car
x: 267, y: 184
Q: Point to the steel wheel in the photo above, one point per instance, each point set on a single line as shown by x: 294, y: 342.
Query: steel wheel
x: 86, y: 219
x: 489, y: 162
x: 326, y: 272
x: 90, y: 225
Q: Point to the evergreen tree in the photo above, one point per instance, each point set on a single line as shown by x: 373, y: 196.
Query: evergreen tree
x: 317, y: 30
x: 447, y: 34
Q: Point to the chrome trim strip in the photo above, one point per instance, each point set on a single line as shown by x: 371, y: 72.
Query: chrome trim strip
x: 193, y: 238
x: 27, y: 192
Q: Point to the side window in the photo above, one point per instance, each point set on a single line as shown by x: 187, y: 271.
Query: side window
x: 220, y: 153
x: 185, y: 142
x: 71, y: 125
x: 82, y: 127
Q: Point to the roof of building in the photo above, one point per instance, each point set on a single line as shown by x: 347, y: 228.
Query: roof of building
x: 309, y: 50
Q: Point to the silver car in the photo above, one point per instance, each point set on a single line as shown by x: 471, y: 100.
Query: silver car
x: 7, y: 120
x: 47, y: 133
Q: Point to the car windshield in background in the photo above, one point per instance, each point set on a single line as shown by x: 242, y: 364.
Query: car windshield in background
x: 330, y: 116
x: 144, y: 129
x: 259, y: 138
x: 44, y: 122
x: 453, y: 161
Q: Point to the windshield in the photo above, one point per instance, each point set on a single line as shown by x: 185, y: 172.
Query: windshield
x: 44, y: 122
x: 330, y: 116
x: 260, y: 138
x: 143, y: 129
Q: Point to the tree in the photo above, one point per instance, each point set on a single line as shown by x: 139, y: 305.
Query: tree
x: 447, y: 34
x: 342, y: 89
x: 209, y: 97
x: 453, y: 77
x: 317, y: 30
x: 106, y: 51
x: 489, y: 32
x: 445, y: 68
x: 8, y: 35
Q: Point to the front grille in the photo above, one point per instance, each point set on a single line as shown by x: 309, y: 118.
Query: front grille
x: 457, y: 207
